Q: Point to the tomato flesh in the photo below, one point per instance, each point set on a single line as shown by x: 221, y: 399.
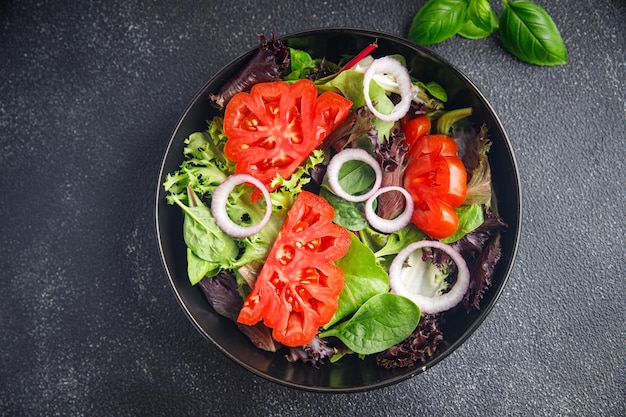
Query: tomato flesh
x: 298, y: 287
x: 437, y: 180
x: 415, y: 129
x: 273, y: 129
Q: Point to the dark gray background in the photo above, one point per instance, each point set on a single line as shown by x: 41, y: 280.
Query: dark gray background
x: 89, y: 94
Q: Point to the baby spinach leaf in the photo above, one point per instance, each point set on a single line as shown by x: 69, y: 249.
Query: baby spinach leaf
x: 198, y: 268
x: 437, y: 21
x: 356, y: 177
x: 347, y: 214
x: 204, y: 237
x: 363, y: 279
x: 381, y: 322
x: 529, y: 33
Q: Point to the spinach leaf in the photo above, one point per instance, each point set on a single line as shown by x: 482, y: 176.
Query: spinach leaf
x: 350, y: 84
x: 381, y: 322
x: 437, y: 21
x: 529, y: 33
x: 198, y: 268
x: 356, y: 177
x: 204, y: 237
x: 347, y: 214
x: 363, y: 279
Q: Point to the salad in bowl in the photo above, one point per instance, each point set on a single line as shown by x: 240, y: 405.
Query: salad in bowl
x: 330, y: 211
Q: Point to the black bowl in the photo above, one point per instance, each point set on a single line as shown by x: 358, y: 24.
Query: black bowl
x: 350, y: 373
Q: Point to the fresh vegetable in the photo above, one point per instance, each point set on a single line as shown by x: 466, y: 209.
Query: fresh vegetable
x: 400, y: 77
x: 210, y: 249
x: 405, y: 280
x: 272, y: 129
x: 525, y: 28
x: 381, y: 322
x: 389, y: 225
x: 267, y: 64
x: 436, y: 178
x: 219, y: 203
x: 297, y: 289
x: 335, y: 176
x: 420, y: 346
x: 416, y: 128
x: 221, y: 293
x: 363, y: 279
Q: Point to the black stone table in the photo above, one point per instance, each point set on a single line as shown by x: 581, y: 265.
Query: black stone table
x: 89, y: 94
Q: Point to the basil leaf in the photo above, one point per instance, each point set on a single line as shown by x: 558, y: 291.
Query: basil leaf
x: 529, y: 33
x: 482, y: 20
x: 437, y: 21
x: 363, y: 279
x: 383, y: 321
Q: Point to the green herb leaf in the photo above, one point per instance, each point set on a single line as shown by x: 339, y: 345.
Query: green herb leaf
x: 437, y: 21
x: 383, y: 321
x: 529, y: 33
x: 482, y: 20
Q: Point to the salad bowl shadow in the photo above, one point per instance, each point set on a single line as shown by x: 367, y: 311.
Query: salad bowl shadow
x: 351, y: 373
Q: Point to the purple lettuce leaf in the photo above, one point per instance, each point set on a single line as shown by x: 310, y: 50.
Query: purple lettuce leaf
x: 267, y: 64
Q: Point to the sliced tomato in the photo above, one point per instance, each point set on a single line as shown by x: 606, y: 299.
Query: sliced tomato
x: 416, y: 128
x: 436, y: 179
x: 272, y: 129
x: 298, y: 288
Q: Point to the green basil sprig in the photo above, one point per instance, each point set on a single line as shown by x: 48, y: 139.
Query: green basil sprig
x: 525, y: 28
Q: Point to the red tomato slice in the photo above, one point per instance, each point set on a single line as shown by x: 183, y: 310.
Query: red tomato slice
x: 415, y: 129
x: 272, y: 129
x: 436, y: 179
x: 297, y: 290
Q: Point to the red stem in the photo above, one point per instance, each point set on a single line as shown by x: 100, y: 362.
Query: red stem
x: 365, y: 52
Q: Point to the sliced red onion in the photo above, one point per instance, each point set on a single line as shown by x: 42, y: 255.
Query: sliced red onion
x: 427, y: 304
x: 218, y: 206
x: 393, y: 67
x: 353, y: 154
x: 389, y: 225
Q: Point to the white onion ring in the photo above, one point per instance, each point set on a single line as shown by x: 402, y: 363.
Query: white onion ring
x: 218, y: 206
x: 389, y: 225
x: 391, y: 66
x: 335, y: 164
x: 437, y: 304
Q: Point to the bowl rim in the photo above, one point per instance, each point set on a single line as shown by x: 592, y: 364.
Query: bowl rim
x: 516, y: 228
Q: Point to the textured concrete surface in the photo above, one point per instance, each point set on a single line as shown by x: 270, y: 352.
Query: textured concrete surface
x: 89, y: 93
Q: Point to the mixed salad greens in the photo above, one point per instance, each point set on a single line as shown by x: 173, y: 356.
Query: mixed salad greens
x: 338, y: 208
